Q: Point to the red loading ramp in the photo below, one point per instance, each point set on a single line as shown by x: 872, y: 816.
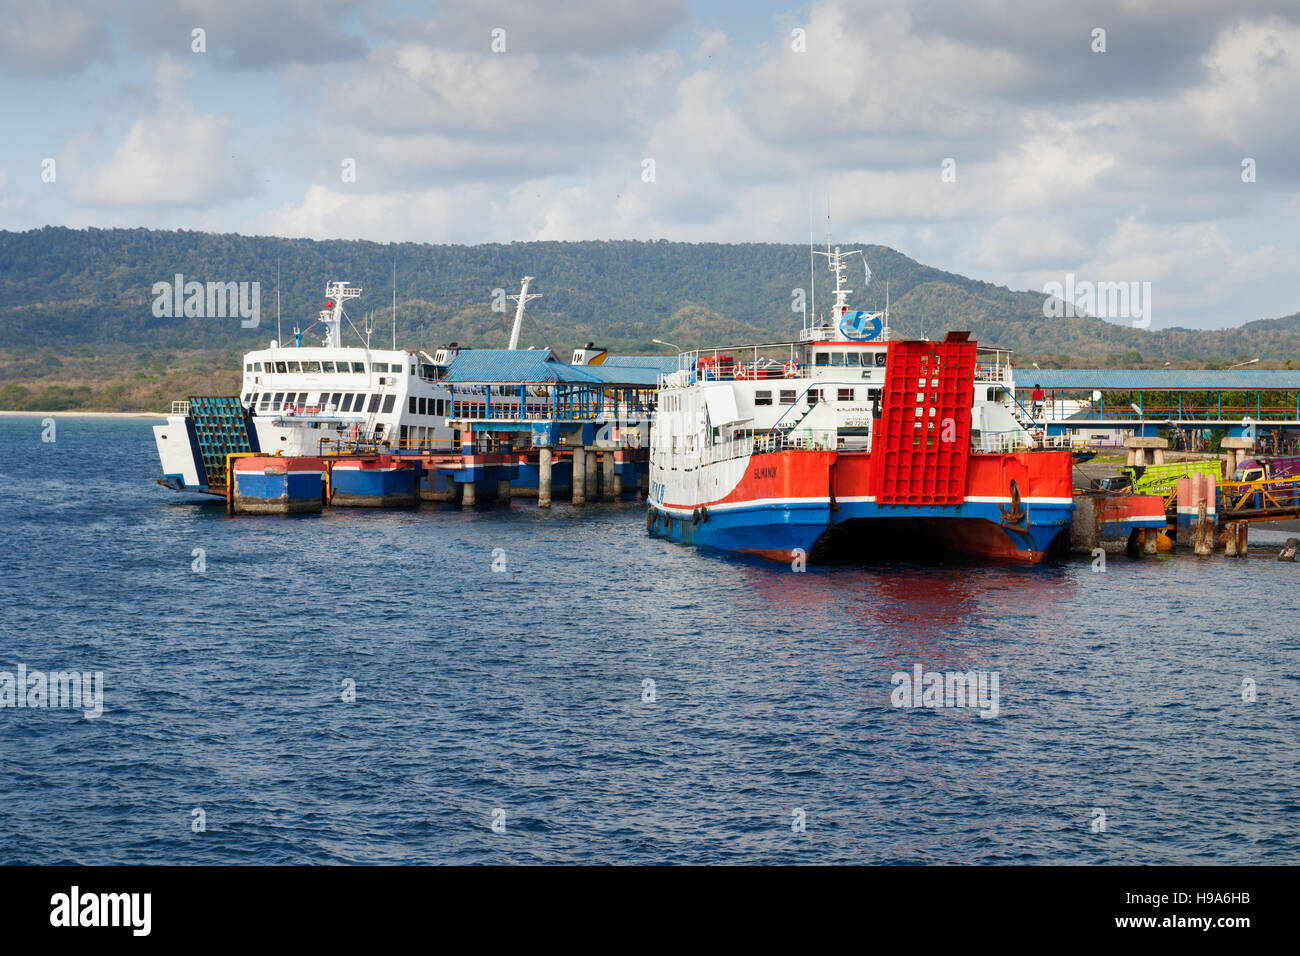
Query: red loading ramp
x: 922, y: 440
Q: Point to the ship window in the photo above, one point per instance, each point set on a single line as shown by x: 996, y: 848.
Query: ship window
x: 248, y: 366
x: 845, y: 395
x: 311, y: 366
x: 412, y: 369
x: 823, y: 359
x: 374, y: 403
x: 814, y: 396
x: 787, y: 396
x: 356, y: 366
x: 347, y: 403
x: 424, y: 406
x: 389, y: 400
x: 993, y: 394
x: 442, y: 407
x: 334, y: 400
x: 327, y: 366
x: 837, y: 358
x: 851, y: 359
x: 880, y: 360
x: 266, y: 401
x: 281, y: 367
x: 257, y: 366
x: 763, y: 398
x: 410, y: 404
x: 380, y: 366
x: 295, y: 367
x: 275, y: 402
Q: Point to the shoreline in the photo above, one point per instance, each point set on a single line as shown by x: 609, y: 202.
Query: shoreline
x: 78, y: 414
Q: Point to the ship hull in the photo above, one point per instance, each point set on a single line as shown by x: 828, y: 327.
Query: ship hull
x: 792, y: 504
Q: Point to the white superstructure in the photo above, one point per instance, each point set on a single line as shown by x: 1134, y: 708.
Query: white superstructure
x: 312, y: 400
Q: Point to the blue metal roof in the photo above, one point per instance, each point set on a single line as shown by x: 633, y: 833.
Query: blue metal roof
x: 660, y: 363
x: 537, y: 365
x: 1160, y: 379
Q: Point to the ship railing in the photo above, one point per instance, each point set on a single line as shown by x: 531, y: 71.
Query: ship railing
x: 181, y: 407
x: 993, y: 442
x: 743, y: 447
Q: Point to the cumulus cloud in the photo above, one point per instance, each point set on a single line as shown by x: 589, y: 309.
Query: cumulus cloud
x: 1125, y: 163
x: 60, y: 36
x: 173, y: 155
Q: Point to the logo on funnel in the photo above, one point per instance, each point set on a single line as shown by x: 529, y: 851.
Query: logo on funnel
x: 861, y: 326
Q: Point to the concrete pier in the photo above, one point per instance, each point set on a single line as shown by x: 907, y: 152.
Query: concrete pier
x: 1235, y: 451
x: 593, y: 474
x: 608, y: 489
x: 503, y: 491
x: 467, y: 495
x: 544, y: 477
x: 579, y: 479
x: 1146, y: 451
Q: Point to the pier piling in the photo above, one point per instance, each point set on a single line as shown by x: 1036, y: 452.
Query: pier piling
x: 579, y: 477
x: 1203, y: 543
x: 609, y: 491
x: 593, y: 474
x: 544, y: 478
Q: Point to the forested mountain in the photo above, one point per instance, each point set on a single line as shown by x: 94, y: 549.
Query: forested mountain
x: 64, y: 287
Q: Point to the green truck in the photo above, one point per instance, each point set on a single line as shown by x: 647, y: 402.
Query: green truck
x: 1161, y: 479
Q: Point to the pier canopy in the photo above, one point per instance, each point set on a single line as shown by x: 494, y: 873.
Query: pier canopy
x: 1160, y: 379
x: 535, y: 366
x: 1138, y: 400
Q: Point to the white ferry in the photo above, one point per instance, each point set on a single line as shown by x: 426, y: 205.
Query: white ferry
x: 311, y: 400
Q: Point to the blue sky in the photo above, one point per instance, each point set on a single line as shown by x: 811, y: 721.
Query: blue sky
x: 1122, y: 164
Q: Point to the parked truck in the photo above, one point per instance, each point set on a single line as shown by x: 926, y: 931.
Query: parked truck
x: 1161, y: 479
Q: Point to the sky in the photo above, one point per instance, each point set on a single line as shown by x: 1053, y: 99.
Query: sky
x: 1006, y: 140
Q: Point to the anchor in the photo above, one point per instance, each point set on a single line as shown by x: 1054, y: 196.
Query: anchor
x: 1013, y: 515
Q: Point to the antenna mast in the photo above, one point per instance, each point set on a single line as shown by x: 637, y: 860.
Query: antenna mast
x: 336, y: 293
x: 523, y: 298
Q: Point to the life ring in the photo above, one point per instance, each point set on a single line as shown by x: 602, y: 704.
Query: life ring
x: 741, y: 373
x: 791, y: 369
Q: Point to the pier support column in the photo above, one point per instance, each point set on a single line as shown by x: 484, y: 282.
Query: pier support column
x: 467, y: 496
x: 593, y: 474
x: 579, y: 477
x: 1236, y: 543
x: 1150, y: 540
x: 609, y: 490
x: 1145, y: 451
x: 503, y: 490
x: 618, y: 479
x: 1235, y: 451
x: 544, y: 478
x: 1204, y: 540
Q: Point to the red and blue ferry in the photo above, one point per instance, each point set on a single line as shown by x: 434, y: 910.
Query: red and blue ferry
x: 847, y: 442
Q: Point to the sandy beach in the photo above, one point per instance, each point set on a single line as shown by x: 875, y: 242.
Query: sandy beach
x: 73, y: 414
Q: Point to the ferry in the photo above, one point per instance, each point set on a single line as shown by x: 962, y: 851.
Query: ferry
x: 311, y: 400
x: 848, y: 443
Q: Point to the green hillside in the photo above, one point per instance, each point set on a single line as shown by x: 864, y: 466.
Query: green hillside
x: 76, y: 305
